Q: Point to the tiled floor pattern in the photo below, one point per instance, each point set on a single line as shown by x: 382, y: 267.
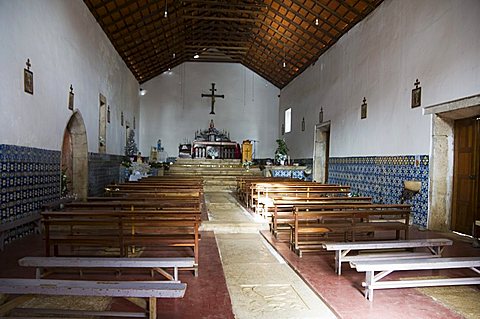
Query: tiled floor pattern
x: 261, y: 284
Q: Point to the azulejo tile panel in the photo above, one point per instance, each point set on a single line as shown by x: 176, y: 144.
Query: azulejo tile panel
x: 382, y: 177
x: 29, y: 177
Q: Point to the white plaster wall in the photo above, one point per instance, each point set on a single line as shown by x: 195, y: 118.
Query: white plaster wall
x: 173, y: 108
x: 65, y: 46
x: 436, y: 41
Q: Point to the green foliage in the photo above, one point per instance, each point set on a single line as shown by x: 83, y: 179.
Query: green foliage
x: 281, y: 147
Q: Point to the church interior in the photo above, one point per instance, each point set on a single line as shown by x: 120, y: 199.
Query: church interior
x: 240, y: 159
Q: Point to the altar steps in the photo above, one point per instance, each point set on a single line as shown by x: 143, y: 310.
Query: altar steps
x: 219, y: 175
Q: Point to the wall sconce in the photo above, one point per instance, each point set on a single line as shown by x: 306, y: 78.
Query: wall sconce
x: 283, y: 129
x: 320, y: 116
x: 121, y: 119
x: 303, y: 124
x: 71, y: 96
x: 108, y: 114
x: 142, y: 92
x: 416, y: 95
x: 363, y: 113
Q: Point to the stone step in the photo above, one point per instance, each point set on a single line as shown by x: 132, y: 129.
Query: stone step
x: 220, y: 188
x: 219, y: 182
x: 208, y: 162
x: 225, y: 227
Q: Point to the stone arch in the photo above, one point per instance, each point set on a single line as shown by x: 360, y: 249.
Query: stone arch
x: 75, y: 156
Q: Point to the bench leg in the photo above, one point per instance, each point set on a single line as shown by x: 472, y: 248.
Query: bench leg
x: 369, y: 278
x: 338, y: 262
x: 152, y: 308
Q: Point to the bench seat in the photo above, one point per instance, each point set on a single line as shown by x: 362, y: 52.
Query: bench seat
x: 105, y: 262
x: 342, y: 249
x: 386, y: 267
x: 141, y: 289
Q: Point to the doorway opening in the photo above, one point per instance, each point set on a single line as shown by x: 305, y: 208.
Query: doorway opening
x: 448, y: 172
x: 321, y: 152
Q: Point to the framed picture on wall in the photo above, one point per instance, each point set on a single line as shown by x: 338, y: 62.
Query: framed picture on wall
x: 416, y: 97
x: 28, y: 81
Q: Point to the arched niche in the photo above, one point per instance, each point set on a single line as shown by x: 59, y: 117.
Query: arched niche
x: 75, y: 156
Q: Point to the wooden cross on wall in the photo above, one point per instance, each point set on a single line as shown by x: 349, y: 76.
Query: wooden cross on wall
x: 213, y: 96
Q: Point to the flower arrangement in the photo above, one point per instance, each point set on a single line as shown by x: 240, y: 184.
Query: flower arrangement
x: 281, y: 151
x: 142, y: 168
x: 247, y: 164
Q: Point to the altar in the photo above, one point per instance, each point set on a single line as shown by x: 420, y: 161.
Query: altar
x: 215, y: 144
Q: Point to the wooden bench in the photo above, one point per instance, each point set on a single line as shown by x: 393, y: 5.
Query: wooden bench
x: 310, y: 227
x: 121, y: 203
x: 342, y: 249
x: 386, y: 267
x: 140, y: 289
x: 283, y: 215
x: 122, y: 230
x: 265, y: 193
x: 157, y: 264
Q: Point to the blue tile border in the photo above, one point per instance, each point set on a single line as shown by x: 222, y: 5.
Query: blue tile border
x: 381, y: 177
x: 29, y: 177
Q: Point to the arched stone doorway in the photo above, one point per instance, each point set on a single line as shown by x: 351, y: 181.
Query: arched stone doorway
x: 75, y: 156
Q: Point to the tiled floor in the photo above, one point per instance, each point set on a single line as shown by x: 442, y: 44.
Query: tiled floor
x: 207, y: 295
x: 344, y: 293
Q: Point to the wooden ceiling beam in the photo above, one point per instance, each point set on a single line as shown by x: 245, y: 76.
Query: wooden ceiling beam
x: 278, y: 13
x: 332, y: 12
x: 220, y: 10
x: 301, y: 5
x: 226, y: 4
x: 233, y: 19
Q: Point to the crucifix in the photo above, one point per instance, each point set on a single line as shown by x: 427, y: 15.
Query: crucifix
x: 213, y: 96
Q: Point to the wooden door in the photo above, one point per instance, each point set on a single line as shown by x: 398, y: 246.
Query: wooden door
x: 466, y: 207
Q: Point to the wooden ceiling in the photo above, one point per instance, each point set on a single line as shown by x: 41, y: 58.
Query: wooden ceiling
x: 276, y: 39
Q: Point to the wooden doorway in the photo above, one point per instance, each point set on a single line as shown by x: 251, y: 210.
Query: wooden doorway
x: 466, y: 205
x: 321, y: 151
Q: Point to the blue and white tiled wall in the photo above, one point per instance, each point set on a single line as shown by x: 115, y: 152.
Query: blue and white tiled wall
x: 381, y: 177
x: 29, y: 178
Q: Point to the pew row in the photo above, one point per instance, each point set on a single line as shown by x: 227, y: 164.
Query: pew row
x: 375, y: 270
x: 283, y: 209
x: 311, y: 227
x: 125, y: 289
x: 153, y: 264
x: 395, y: 249
x: 121, y: 230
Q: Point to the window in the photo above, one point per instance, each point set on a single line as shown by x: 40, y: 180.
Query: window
x: 288, y: 120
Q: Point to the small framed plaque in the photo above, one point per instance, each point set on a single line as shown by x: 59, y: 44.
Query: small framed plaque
x: 28, y: 81
x: 416, y: 95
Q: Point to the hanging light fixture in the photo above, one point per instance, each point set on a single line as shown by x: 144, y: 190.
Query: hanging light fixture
x: 284, y: 59
x: 173, y: 55
x: 316, y: 21
x: 196, y: 56
x: 165, y: 14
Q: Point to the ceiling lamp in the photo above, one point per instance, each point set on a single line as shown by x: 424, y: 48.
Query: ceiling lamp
x: 173, y: 55
x: 165, y: 14
x: 196, y: 56
x: 316, y: 21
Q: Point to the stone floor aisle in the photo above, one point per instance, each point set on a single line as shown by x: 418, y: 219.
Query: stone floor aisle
x: 260, y: 283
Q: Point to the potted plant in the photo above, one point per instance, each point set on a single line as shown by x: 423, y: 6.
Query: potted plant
x: 281, y: 152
